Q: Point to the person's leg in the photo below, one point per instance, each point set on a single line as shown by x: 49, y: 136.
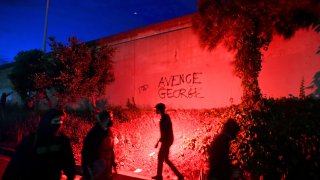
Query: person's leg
x: 161, y: 157
x: 173, y: 168
x: 170, y: 164
x: 109, y: 171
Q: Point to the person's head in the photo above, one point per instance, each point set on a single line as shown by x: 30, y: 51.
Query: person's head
x: 51, y: 121
x: 160, y: 108
x: 231, y: 128
x: 105, y: 119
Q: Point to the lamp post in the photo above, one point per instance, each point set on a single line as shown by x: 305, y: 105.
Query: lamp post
x: 45, y: 28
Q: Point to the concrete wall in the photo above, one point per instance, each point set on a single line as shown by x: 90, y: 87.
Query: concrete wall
x: 171, y: 68
x: 287, y: 62
x: 164, y: 63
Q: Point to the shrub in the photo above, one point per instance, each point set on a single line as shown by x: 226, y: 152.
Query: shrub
x: 76, y: 129
x: 16, y: 122
x: 281, y: 139
x: 119, y: 114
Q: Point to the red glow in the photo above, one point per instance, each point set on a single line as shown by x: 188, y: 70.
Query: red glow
x: 183, y: 75
x: 136, y: 140
x: 287, y: 62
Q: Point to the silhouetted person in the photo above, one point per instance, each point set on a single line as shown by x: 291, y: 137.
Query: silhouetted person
x: 166, y: 139
x: 44, y: 154
x: 98, y: 154
x: 220, y: 163
x: 4, y: 99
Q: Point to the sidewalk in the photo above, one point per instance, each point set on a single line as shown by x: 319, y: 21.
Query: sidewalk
x: 6, y: 153
x: 122, y: 175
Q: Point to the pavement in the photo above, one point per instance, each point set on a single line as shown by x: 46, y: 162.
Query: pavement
x: 5, y: 154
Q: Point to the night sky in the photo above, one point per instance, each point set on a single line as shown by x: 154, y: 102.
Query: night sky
x: 22, y: 21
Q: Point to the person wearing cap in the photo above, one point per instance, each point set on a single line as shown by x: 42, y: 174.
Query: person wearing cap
x: 166, y: 140
x: 44, y: 154
x: 220, y: 167
x: 97, y: 153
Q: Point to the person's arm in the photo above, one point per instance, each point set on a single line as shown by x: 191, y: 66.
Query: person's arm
x: 88, y: 152
x: 15, y: 166
x: 13, y: 169
x: 113, y: 157
x: 156, y: 146
x: 69, y: 162
x: 114, y: 164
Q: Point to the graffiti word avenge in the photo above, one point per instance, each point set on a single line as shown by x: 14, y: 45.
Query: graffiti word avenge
x: 180, y: 86
x: 176, y: 80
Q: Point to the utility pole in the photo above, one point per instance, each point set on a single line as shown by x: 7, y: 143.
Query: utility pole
x: 45, y: 29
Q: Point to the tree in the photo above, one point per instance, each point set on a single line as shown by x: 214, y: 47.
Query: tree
x: 247, y: 27
x: 77, y: 71
x: 27, y: 65
x: 315, y: 86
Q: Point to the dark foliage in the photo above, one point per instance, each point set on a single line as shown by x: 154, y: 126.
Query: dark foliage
x: 77, y: 71
x: 27, y: 65
x: 282, y: 139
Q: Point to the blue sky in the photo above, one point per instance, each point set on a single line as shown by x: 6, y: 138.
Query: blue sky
x: 22, y: 21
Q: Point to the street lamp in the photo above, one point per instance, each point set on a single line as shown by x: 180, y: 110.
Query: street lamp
x: 45, y: 28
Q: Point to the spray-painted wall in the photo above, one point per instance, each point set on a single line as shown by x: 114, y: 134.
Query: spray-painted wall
x: 165, y: 63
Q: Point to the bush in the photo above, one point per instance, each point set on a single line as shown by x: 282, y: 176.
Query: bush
x: 281, y: 140
x: 123, y: 115
x: 86, y: 114
x: 16, y: 122
x: 76, y: 129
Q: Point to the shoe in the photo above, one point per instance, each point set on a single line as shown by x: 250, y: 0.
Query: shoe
x: 157, y: 177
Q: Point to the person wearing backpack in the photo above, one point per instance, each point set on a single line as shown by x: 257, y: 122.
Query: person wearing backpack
x: 44, y: 154
x: 98, y: 156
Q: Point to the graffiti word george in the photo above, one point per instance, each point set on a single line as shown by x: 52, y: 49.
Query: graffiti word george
x: 177, y: 80
x: 179, y: 93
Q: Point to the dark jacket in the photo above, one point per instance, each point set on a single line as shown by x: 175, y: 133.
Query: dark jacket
x: 43, y: 155
x: 166, y: 130
x: 98, y: 145
x: 39, y: 158
x: 220, y: 164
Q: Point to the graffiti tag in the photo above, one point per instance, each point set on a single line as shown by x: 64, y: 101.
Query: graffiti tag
x: 180, y: 86
x: 143, y: 88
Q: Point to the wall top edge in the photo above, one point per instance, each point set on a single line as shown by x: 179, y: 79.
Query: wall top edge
x: 174, y: 24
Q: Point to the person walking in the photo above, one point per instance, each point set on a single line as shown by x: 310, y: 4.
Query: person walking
x: 4, y: 99
x: 219, y: 160
x: 166, y: 140
x: 98, y: 156
x: 3, y: 102
x: 44, y: 154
